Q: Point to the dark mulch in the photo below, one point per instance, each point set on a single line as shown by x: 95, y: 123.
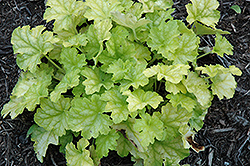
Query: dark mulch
x: 225, y: 134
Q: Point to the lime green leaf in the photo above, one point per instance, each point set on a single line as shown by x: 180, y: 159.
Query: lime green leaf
x: 95, y: 80
x: 118, y: 49
x: 79, y: 156
x: 134, y: 77
x: 183, y: 100
x: 173, y: 118
x: 70, y: 80
x: 149, y: 128
x: 200, y: 29
x: 76, y: 40
x: 84, y: 113
x: 142, y: 53
x: 42, y: 139
x: 96, y: 34
x: 104, y: 143
x: 187, y: 50
x: 138, y: 99
x: 211, y: 70
x: 159, y: 17
x: 223, y: 82
x: 119, y: 68
x: 173, y: 73
x: 172, y: 151
x: 31, y: 46
x: 236, y: 8
x: 64, y: 12
x: 124, y: 146
x: 14, y: 107
x: 131, y: 134
x: 53, y: 116
x: 129, y: 20
x: 30, y: 88
x: 101, y: 9
x: 116, y: 103
x: 199, y: 88
x: 222, y: 46
x: 164, y: 38
x: 203, y: 11
x: 151, y: 5
x: 175, y: 88
x: 71, y: 60
x: 135, y: 9
x: 223, y: 85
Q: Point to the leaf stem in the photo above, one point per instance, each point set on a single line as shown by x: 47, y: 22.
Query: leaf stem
x: 51, y: 61
x: 203, y: 55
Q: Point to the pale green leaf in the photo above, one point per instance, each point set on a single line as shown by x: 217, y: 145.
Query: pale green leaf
x: 30, y: 88
x: 131, y: 134
x: 129, y: 20
x: 164, y: 38
x: 222, y: 46
x: 14, y: 107
x: 116, y: 103
x: 101, y: 9
x: 175, y: 88
x: 172, y: 73
x: 76, y: 40
x: 183, y: 100
x: 186, y: 51
x: 71, y: 60
x: 79, y: 156
x: 173, y: 118
x: 149, y: 128
x: 172, y: 151
x: 64, y: 12
x: 124, y: 146
x: 104, y: 143
x: 86, y: 112
x: 70, y: 80
x: 96, y: 34
x: 93, y: 155
x: 203, y: 11
x: 151, y: 5
x: 95, y: 80
x: 200, y: 29
x: 53, y: 116
x: 223, y: 85
x: 199, y: 87
x: 119, y: 68
x: 42, y: 139
x: 138, y: 99
x: 31, y: 46
x: 159, y: 17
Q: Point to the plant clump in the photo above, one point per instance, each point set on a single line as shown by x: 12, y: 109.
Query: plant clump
x: 120, y: 75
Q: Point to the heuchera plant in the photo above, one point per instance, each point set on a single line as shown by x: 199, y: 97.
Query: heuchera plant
x: 119, y: 75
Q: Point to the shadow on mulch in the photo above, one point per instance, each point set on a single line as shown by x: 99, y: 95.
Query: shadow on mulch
x: 226, y: 130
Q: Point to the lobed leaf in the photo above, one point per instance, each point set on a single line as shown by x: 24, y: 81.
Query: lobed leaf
x: 79, y: 156
x: 86, y: 115
x: 104, y: 143
x: 149, y: 125
x: 203, y: 11
x: 31, y: 46
x: 53, y: 116
x: 116, y: 103
x: 42, y: 139
x: 138, y: 99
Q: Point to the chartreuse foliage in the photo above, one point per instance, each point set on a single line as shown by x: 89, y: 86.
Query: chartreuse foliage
x: 119, y: 75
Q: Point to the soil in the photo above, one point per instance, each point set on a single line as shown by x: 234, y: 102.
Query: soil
x: 226, y: 130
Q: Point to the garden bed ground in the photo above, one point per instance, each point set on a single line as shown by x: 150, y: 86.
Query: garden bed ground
x: 226, y: 130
